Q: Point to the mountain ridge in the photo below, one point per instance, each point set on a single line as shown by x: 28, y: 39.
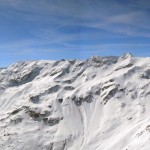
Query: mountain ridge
x: 100, y: 103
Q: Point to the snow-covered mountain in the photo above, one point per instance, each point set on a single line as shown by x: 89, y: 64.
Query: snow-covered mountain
x: 102, y: 103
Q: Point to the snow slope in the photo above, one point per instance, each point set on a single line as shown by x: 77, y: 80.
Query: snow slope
x: 102, y: 103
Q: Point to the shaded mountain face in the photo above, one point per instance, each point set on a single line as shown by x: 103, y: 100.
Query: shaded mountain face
x: 102, y: 103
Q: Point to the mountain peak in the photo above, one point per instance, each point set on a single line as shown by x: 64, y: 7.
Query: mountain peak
x: 126, y: 55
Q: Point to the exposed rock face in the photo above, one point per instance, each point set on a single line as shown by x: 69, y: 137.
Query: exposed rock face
x: 101, y: 103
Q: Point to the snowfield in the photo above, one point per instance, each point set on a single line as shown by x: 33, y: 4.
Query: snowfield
x: 102, y: 103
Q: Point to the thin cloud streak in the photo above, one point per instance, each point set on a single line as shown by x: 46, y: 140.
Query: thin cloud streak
x: 75, y: 25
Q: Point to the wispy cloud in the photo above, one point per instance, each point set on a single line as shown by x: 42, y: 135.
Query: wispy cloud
x: 89, y: 25
x: 96, y: 14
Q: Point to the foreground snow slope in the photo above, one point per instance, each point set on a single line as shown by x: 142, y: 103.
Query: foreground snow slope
x: 102, y: 103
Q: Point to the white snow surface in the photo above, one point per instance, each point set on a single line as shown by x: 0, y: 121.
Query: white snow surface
x: 102, y: 103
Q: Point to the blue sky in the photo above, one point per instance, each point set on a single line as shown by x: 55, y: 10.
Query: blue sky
x: 56, y: 29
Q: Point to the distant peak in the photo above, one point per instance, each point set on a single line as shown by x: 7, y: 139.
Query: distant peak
x: 102, y: 58
x: 126, y: 55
